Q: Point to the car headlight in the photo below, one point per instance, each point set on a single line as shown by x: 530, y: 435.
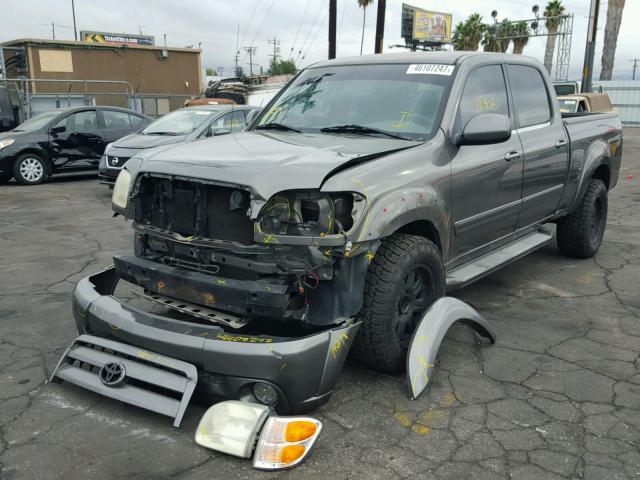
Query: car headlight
x: 311, y: 213
x: 121, y: 189
x: 6, y: 142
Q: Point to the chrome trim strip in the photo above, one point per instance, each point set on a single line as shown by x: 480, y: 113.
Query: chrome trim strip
x: 541, y: 193
x: 477, y: 216
x: 531, y: 127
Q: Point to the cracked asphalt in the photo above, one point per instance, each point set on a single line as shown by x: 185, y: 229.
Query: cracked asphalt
x: 558, y: 395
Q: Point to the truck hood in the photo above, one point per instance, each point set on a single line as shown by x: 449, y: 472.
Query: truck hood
x: 137, y: 140
x: 270, y: 162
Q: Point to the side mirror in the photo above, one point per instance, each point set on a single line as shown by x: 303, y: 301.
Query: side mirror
x: 59, y: 129
x: 220, y: 131
x: 252, y: 115
x: 485, y: 129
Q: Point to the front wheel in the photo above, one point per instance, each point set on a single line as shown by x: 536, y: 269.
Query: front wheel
x: 580, y: 234
x: 404, y: 279
x: 29, y: 169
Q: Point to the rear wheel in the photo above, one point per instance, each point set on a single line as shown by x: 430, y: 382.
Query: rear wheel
x: 580, y: 234
x: 29, y: 169
x: 404, y: 279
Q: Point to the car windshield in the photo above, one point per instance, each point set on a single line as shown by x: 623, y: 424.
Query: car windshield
x: 37, y: 121
x: 568, y: 106
x: 398, y: 100
x: 180, y: 122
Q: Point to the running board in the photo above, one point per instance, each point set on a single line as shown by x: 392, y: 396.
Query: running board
x: 462, y: 276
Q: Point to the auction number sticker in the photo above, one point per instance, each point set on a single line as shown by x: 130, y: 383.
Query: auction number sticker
x: 430, y: 69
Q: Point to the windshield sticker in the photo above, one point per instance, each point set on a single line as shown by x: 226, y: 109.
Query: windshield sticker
x: 405, y: 119
x: 430, y: 69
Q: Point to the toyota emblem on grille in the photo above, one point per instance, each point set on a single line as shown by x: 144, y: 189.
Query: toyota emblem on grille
x: 114, y: 161
x: 112, y: 374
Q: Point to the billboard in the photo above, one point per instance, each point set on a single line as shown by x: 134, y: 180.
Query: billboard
x: 426, y: 26
x: 107, y: 38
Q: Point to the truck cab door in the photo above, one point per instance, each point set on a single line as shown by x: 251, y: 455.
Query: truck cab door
x: 76, y: 141
x: 486, y: 179
x: 544, y: 140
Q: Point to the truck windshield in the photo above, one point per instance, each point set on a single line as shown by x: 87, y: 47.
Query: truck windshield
x: 396, y: 99
x: 180, y: 122
x: 568, y: 106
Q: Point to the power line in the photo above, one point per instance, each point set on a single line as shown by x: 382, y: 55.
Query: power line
x: 261, y: 25
x: 315, y: 36
x: 299, y: 27
x: 251, y: 51
x: 310, y: 29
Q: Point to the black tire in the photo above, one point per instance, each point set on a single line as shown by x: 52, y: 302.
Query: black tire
x: 405, y: 277
x: 29, y: 169
x: 580, y: 234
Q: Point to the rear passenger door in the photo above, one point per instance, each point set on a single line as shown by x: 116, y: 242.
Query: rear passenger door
x: 486, y: 179
x: 544, y: 143
x: 116, y: 124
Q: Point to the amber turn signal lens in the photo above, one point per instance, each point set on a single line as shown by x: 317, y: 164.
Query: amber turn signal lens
x: 291, y: 453
x: 300, y: 430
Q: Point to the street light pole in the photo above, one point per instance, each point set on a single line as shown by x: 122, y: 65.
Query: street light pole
x: 590, y: 48
x: 73, y: 11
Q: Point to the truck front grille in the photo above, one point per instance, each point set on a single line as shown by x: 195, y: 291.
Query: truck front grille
x: 194, y: 209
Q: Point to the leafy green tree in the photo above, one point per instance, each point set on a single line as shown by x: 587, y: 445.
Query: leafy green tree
x: 211, y: 72
x: 504, y: 32
x: 282, y: 67
x: 469, y: 33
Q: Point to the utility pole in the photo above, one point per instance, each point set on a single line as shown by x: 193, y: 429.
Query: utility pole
x: 276, y: 49
x: 333, y: 16
x: 382, y: 6
x: 220, y: 70
x: 251, y: 51
x: 53, y: 30
x: 590, y: 48
x: 635, y: 65
x: 73, y: 11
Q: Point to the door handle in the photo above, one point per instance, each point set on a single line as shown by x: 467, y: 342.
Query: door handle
x: 511, y: 155
x: 560, y: 143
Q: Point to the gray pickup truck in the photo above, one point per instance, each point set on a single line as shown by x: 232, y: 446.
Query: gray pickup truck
x: 364, y: 191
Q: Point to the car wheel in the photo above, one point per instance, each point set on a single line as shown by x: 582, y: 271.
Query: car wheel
x: 29, y: 169
x: 403, y: 280
x: 580, y: 234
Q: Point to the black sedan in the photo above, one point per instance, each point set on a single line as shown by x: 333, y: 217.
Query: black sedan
x: 60, y: 141
x: 184, y: 125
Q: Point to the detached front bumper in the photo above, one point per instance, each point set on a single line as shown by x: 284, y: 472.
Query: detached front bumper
x: 302, y: 370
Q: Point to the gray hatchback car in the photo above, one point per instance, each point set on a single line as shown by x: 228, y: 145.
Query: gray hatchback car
x: 184, y: 125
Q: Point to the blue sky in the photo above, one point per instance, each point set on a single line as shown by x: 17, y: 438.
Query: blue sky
x: 298, y: 25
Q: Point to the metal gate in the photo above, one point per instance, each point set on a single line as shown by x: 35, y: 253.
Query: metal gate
x: 625, y: 98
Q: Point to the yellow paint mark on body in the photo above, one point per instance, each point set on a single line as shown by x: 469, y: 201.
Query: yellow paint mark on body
x: 221, y: 281
x: 370, y: 256
x: 337, y: 346
x: 243, y: 339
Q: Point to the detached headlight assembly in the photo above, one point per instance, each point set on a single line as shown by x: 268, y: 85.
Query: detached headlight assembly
x: 6, y: 142
x: 311, y: 213
x: 121, y: 189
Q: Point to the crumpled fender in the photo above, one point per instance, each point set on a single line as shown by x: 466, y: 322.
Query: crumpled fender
x: 428, y: 336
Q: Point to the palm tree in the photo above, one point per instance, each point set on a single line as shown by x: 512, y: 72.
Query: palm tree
x: 490, y: 42
x: 520, y: 36
x: 475, y: 29
x: 611, y: 29
x: 364, y: 4
x: 553, y: 9
x: 504, y: 32
x: 460, y: 37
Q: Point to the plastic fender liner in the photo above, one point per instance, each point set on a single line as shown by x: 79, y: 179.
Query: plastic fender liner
x: 428, y: 336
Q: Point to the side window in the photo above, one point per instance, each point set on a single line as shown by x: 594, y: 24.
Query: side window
x: 116, y: 120
x: 530, y: 98
x: 237, y: 120
x: 484, y: 92
x: 80, y: 121
x: 135, y: 120
x: 222, y: 122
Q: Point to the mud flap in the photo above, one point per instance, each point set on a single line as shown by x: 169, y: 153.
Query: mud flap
x: 428, y: 336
